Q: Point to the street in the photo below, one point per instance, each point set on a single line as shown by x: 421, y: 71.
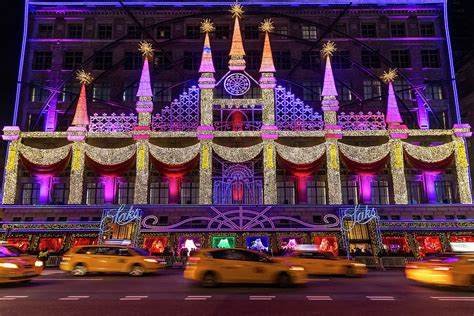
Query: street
x: 167, y: 293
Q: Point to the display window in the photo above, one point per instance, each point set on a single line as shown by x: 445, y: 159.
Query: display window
x: 258, y: 243
x: 223, y: 242
x: 84, y: 241
x: 461, y: 238
x: 327, y: 244
x: 428, y: 245
x: 50, y: 244
x: 395, y: 245
x: 21, y: 243
x: 188, y: 244
x: 289, y: 243
x: 154, y: 244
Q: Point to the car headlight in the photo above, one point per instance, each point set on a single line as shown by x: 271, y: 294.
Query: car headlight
x: 8, y: 265
x: 293, y: 268
x: 38, y: 263
x: 360, y: 265
x: 150, y: 260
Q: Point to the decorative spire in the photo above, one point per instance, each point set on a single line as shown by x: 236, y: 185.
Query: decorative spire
x: 267, y: 57
x: 329, y: 87
x: 207, y: 66
x: 144, y: 93
x: 237, y: 52
x: 81, y: 118
x: 393, y: 116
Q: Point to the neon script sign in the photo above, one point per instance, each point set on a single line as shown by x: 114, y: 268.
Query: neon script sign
x: 123, y: 216
x: 357, y: 215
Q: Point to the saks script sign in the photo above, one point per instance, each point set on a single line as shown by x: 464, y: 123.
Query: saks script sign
x: 121, y: 216
x: 357, y: 215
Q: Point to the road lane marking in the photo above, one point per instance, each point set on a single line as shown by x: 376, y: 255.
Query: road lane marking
x: 318, y: 298
x: 133, y: 297
x: 12, y: 297
x: 261, y: 297
x: 453, y: 298
x: 73, y: 298
x: 381, y: 298
x: 71, y: 279
x: 197, y: 297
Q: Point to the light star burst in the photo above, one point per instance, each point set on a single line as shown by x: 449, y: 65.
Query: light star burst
x: 145, y: 48
x: 84, y: 77
x: 207, y: 26
x: 389, y: 76
x: 236, y: 10
x: 328, y: 49
x: 267, y: 26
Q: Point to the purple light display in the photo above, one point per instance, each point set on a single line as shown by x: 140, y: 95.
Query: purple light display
x: 258, y: 243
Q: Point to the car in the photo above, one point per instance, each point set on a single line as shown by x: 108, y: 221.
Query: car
x: 319, y: 263
x: 211, y: 267
x: 17, y: 266
x: 453, y: 269
x: 109, y: 258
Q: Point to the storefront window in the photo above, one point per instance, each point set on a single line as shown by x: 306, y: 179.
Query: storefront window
x: 289, y: 243
x: 50, y: 244
x: 188, y: 244
x: 84, y: 241
x: 223, y: 242
x: 21, y: 243
x: 154, y: 244
x: 258, y: 243
x: 428, y: 245
x: 461, y: 238
x: 394, y: 246
x: 327, y: 244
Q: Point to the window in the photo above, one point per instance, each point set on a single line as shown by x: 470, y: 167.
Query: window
x: 30, y: 193
x: 191, y: 60
x: 311, y: 60
x: 130, y: 92
x: 28, y: 219
x: 379, y: 191
x: 395, y: 217
x: 132, y: 61
x: 134, y: 32
x: 398, y: 30
x: 164, y: 32
x: 189, y: 192
x: 251, y: 32
x: 281, y: 30
x: 42, y: 60
x: 372, y: 89
x: 401, y: 58
x: 72, y: 60
x: 74, y: 31
x: 344, y: 91
x: 430, y: 58
x: 461, y: 217
x: 84, y: 219
x: 286, y: 192
x: 164, y: 60
x: 104, y: 31
x: 254, y: 93
x: 60, y: 193
x: 433, y: 90
x: 50, y: 219
x: 368, y: 30
x: 45, y: 31
x: 416, y: 217
x: 449, y: 217
x: 193, y: 31
x: 103, y: 61
x: 427, y: 29
x: 350, y: 192
x: 414, y: 189
x: 317, y: 193
x: 95, y: 193
x: 162, y: 91
x: 125, y: 192
x: 341, y: 27
x: 428, y: 217
x: 159, y: 192
x: 311, y: 91
x: 38, y: 93
x: 70, y: 91
x: 253, y: 59
x: 370, y: 59
x: 444, y: 192
x: 101, y: 91
x: 282, y: 60
x: 341, y: 60
x: 309, y: 32
x: 220, y: 59
x: 222, y: 32
x: 403, y: 89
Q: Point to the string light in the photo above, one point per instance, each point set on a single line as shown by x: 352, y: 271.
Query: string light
x: 207, y: 26
x: 236, y: 10
x: 84, y: 77
x: 267, y: 26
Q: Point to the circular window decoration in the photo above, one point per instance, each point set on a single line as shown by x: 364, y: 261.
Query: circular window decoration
x: 237, y: 84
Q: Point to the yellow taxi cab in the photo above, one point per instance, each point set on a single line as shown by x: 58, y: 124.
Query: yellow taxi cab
x: 315, y: 262
x: 456, y: 269
x: 109, y: 258
x: 17, y: 266
x: 211, y: 267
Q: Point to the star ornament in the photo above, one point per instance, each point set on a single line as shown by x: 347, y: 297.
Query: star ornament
x: 207, y: 26
x: 145, y: 48
x: 328, y: 49
x: 389, y: 76
x: 84, y: 77
x: 236, y: 10
x: 267, y: 26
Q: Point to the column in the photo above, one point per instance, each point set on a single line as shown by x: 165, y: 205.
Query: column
x: 76, y: 179
x: 269, y: 171
x: 206, y: 107
x: 12, y: 134
x: 142, y: 173
x: 302, y: 189
x: 397, y: 170
x: 268, y: 108
x: 45, y: 186
x: 333, y: 171
x: 365, y: 189
x: 429, y: 179
x: 462, y: 170
x: 205, y: 172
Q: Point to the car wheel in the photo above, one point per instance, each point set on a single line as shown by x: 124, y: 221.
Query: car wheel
x: 283, y: 280
x: 209, y: 280
x: 79, y: 270
x: 137, y: 270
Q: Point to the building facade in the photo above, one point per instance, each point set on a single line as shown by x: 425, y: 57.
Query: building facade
x: 275, y: 121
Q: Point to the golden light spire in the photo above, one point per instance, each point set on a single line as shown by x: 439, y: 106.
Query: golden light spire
x: 236, y: 10
x: 207, y: 26
x: 267, y: 26
x: 84, y: 77
x: 389, y: 76
x: 328, y: 49
x: 145, y: 48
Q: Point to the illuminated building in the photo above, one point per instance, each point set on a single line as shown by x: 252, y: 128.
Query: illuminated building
x: 281, y: 118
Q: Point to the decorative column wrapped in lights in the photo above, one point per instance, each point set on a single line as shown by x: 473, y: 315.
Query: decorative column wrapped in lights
x: 206, y: 81
x: 12, y: 135
x: 144, y: 105
x: 267, y: 79
x: 269, y: 169
x: 205, y: 169
x: 142, y: 172
x: 397, y: 132
x: 333, y: 170
x: 461, y: 163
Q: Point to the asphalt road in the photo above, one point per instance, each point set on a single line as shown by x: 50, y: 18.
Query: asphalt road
x: 167, y: 293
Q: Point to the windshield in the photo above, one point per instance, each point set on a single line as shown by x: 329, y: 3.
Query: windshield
x: 140, y: 252
x: 10, y: 251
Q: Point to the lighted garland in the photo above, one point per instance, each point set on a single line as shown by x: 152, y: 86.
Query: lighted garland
x: 237, y: 154
x: 300, y: 155
x: 76, y: 179
x: 44, y: 157
x: 462, y: 171
x: 400, y: 192
x: 269, y: 175
x: 333, y: 172
x: 142, y: 174
x: 174, y: 156
x: 429, y: 154
x: 205, y: 173
x: 11, y: 174
x: 110, y: 156
x: 365, y: 155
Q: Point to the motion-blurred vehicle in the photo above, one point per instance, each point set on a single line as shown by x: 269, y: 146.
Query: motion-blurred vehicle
x: 318, y: 263
x: 211, y: 267
x: 456, y: 269
x: 109, y: 258
x: 17, y: 266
